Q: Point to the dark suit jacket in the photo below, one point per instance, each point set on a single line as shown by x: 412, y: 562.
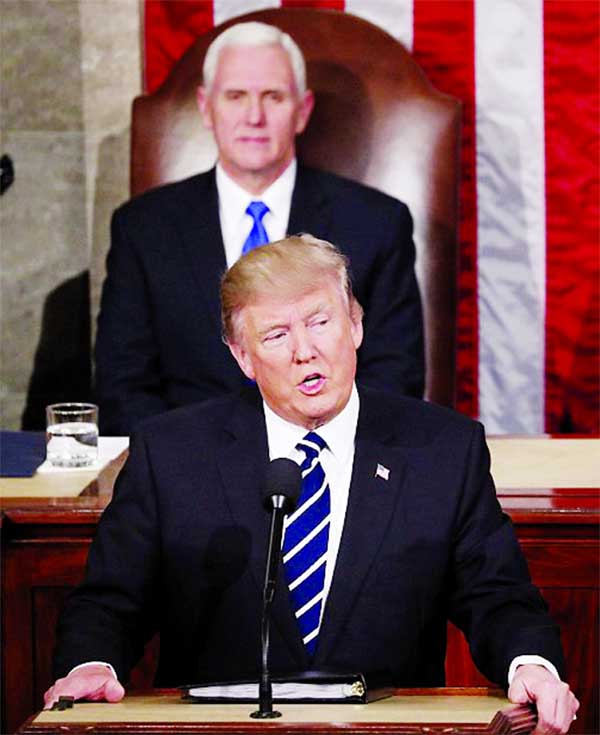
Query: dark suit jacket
x: 182, y: 548
x: 159, y: 334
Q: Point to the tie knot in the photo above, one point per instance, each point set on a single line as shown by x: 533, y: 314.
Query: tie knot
x: 311, y: 444
x: 257, y: 210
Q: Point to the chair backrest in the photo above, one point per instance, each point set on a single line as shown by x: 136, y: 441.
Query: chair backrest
x: 377, y: 120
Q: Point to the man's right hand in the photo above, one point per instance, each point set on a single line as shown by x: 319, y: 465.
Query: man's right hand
x: 93, y: 682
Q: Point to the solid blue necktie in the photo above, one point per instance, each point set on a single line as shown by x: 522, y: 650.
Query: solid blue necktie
x: 258, y: 234
x: 305, y: 542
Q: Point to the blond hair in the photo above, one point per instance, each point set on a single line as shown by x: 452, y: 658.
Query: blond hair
x: 254, y: 34
x: 292, y: 266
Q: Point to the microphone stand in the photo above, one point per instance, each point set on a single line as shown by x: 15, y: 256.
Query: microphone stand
x: 265, y: 690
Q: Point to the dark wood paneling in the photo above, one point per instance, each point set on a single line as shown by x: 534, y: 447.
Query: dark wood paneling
x: 564, y: 562
x: 35, y: 578
x: 46, y: 604
x: 575, y: 609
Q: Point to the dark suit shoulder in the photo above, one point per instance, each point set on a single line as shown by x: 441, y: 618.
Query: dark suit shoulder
x: 207, y: 419
x: 161, y: 198
x: 348, y: 190
x: 410, y: 421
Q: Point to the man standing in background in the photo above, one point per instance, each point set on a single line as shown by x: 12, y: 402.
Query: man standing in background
x: 158, y: 343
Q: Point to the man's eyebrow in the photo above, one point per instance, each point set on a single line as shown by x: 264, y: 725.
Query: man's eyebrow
x: 317, y: 310
x: 270, y: 328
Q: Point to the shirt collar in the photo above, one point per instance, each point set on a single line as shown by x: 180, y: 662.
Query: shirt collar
x: 338, y: 433
x: 277, y: 197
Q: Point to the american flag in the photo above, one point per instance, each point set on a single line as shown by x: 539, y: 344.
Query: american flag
x: 527, y: 73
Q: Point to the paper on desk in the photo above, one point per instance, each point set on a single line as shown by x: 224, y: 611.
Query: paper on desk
x: 109, y: 447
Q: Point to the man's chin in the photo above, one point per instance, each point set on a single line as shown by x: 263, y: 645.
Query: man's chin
x: 316, y: 414
x: 255, y: 161
x: 258, y: 162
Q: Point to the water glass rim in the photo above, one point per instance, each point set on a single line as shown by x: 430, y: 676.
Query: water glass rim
x: 72, y: 407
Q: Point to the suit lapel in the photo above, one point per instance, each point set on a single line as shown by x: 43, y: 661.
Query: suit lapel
x: 310, y: 209
x: 241, y: 460
x: 242, y: 464
x: 372, y: 503
x: 203, y: 240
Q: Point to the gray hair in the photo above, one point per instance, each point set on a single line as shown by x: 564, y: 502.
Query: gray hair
x: 254, y: 34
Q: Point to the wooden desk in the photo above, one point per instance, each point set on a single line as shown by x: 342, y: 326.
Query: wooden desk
x: 45, y: 540
x: 411, y: 711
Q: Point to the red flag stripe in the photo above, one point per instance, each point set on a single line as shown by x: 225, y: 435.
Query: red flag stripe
x: 572, y: 111
x: 444, y: 46
x: 170, y: 28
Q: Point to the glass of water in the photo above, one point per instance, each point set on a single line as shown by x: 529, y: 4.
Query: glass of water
x: 72, y: 434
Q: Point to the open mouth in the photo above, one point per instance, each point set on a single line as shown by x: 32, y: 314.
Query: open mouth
x: 312, y: 383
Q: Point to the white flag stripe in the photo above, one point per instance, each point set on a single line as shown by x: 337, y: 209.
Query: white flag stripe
x: 317, y: 598
x: 396, y: 17
x: 288, y: 520
x: 511, y: 214
x: 307, y: 572
x: 225, y: 9
x: 309, y: 536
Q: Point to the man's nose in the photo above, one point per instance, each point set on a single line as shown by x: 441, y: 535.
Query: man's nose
x: 303, y: 346
x: 255, y: 111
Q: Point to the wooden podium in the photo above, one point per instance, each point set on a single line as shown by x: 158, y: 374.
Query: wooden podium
x: 549, y: 486
x: 411, y: 711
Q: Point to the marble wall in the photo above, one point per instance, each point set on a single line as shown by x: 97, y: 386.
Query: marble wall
x: 69, y: 71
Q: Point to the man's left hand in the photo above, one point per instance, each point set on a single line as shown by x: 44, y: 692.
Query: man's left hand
x: 556, y: 704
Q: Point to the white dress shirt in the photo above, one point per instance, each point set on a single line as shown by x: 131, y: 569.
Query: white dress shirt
x: 233, y: 202
x: 337, y: 460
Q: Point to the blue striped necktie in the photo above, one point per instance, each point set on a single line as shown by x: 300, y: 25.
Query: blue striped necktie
x: 258, y: 234
x: 305, y: 542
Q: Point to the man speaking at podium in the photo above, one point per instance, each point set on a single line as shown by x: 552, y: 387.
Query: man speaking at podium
x: 401, y: 531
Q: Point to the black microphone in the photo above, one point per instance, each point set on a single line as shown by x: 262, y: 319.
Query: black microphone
x: 282, y: 489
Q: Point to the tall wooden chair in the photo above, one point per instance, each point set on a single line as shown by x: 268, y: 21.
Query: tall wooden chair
x: 377, y: 120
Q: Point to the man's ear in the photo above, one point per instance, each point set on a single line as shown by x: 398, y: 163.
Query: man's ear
x: 242, y: 358
x: 203, y: 101
x: 356, y: 317
x: 305, y: 109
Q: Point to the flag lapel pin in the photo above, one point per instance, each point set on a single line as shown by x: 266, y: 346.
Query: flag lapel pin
x: 382, y: 472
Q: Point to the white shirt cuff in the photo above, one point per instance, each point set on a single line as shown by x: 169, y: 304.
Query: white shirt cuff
x: 96, y: 663
x: 522, y: 660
